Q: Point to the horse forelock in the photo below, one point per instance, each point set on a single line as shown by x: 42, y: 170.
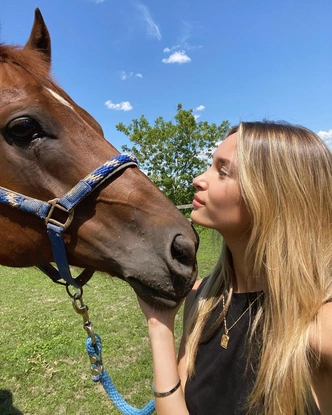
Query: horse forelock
x: 34, y: 64
x: 30, y: 60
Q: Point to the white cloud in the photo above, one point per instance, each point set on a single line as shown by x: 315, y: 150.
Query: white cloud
x: 199, y: 108
x: 177, y: 57
x: 187, y: 46
x: 171, y: 49
x: 152, y: 28
x: 178, y: 53
x: 124, y: 75
x: 326, y: 136
x: 121, y: 106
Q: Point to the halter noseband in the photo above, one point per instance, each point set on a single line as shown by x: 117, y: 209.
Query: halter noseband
x: 66, y: 204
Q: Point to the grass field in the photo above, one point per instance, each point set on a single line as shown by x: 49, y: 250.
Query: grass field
x: 44, y: 366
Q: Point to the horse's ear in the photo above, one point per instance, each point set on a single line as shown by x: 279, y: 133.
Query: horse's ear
x: 39, y: 37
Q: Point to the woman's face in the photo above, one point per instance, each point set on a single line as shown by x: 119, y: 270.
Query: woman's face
x: 218, y: 203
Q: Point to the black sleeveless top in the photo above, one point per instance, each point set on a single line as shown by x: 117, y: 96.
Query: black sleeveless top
x: 223, y: 380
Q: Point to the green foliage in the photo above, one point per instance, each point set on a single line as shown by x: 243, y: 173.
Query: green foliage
x: 173, y: 153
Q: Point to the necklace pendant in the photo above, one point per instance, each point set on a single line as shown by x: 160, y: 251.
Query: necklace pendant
x: 224, y: 341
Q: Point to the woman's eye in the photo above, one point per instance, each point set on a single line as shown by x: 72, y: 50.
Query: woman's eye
x: 223, y: 173
x: 24, y: 129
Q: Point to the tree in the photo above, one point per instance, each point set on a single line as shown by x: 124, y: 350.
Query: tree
x: 172, y: 154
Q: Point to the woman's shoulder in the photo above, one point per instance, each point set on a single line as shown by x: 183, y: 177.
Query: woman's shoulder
x: 199, y: 284
x: 325, y: 322
x: 322, y: 343
x: 197, y: 288
x: 191, y: 297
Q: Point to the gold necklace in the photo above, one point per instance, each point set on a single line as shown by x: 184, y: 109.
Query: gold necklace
x: 225, y: 337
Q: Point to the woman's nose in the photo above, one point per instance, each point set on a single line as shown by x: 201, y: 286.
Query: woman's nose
x: 199, y: 182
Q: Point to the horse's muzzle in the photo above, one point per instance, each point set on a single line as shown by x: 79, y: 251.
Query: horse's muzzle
x: 166, y: 292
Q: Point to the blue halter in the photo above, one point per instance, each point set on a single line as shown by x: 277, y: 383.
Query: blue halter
x: 66, y: 204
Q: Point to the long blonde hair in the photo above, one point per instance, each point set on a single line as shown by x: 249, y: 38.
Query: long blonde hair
x: 285, y: 177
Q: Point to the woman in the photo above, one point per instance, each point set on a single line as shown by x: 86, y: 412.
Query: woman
x: 257, y: 332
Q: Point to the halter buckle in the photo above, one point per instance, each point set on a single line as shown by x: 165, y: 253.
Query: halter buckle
x: 59, y: 222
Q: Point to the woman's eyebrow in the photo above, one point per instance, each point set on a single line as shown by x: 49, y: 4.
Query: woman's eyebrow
x: 229, y: 164
x: 221, y: 160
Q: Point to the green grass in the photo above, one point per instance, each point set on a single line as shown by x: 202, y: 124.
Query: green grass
x: 44, y: 366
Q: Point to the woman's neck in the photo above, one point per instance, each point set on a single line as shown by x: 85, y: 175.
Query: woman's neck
x: 244, y: 280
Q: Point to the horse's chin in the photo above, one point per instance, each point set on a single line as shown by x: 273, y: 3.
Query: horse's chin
x: 152, y: 296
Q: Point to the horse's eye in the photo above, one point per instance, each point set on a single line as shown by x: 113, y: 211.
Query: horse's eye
x: 24, y: 129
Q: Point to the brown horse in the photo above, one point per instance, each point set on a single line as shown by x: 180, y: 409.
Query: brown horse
x: 126, y: 228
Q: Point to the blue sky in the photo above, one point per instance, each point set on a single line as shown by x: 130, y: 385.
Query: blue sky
x: 226, y: 59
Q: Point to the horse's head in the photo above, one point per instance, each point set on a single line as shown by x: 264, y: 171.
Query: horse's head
x: 126, y: 228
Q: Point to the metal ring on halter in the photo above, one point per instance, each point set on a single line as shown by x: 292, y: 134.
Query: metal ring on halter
x: 55, y: 205
x: 58, y: 214
x: 77, y: 295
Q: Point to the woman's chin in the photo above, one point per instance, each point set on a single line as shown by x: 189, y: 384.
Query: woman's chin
x: 195, y: 216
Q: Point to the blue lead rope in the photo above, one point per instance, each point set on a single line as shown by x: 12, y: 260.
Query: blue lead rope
x: 101, y: 375
x: 67, y: 203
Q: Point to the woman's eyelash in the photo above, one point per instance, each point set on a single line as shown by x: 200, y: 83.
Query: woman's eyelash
x: 223, y: 172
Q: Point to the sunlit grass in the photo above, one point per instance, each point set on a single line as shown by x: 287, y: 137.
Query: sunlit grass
x: 44, y: 366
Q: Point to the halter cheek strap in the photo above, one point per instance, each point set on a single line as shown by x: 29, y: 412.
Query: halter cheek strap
x: 66, y: 204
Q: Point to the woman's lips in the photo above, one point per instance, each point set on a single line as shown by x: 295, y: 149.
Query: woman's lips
x: 197, y: 202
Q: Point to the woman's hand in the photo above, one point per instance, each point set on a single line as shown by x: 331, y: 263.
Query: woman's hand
x: 156, y: 317
x: 165, y: 366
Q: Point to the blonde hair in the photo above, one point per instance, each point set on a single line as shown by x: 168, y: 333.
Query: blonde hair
x: 285, y: 177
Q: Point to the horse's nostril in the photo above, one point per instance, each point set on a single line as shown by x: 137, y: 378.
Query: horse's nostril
x: 183, y: 250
